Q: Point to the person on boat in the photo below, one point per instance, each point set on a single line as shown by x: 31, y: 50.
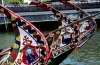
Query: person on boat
x: 66, y: 38
x: 29, y: 53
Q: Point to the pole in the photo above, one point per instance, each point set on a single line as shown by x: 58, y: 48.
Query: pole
x: 2, y: 2
x: 4, y: 16
x: 85, y: 18
x: 5, y: 22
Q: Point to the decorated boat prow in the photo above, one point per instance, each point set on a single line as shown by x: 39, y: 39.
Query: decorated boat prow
x: 70, y: 35
x: 32, y: 47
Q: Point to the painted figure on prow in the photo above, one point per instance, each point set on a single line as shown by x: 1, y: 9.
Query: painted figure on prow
x: 29, y: 52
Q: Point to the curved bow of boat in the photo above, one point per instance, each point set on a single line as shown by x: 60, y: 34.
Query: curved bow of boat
x: 30, y: 45
x: 70, y: 34
x: 86, y: 27
x: 73, y: 34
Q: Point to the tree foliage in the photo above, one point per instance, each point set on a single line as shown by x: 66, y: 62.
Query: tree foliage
x: 13, y: 1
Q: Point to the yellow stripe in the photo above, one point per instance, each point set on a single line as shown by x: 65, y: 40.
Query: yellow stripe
x: 2, y: 10
x: 16, y: 46
x: 74, y: 50
x: 14, y: 25
x: 18, y: 38
x: 11, y: 63
x: 12, y: 18
x: 50, y: 9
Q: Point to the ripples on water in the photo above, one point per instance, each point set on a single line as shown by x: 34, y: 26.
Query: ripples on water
x: 6, y: 39
x: 89, y: 54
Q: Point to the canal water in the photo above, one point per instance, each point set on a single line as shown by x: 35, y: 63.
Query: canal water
x: 89, y: 54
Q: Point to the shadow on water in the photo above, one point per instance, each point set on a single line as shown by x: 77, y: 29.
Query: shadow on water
x: 89, y: 54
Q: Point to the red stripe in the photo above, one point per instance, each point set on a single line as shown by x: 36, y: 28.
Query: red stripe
x: 16, y: 31
x: 27, y: 27
x: 13, y: 55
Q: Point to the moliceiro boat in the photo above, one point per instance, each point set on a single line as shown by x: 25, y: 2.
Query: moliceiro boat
x: 32, y: 47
